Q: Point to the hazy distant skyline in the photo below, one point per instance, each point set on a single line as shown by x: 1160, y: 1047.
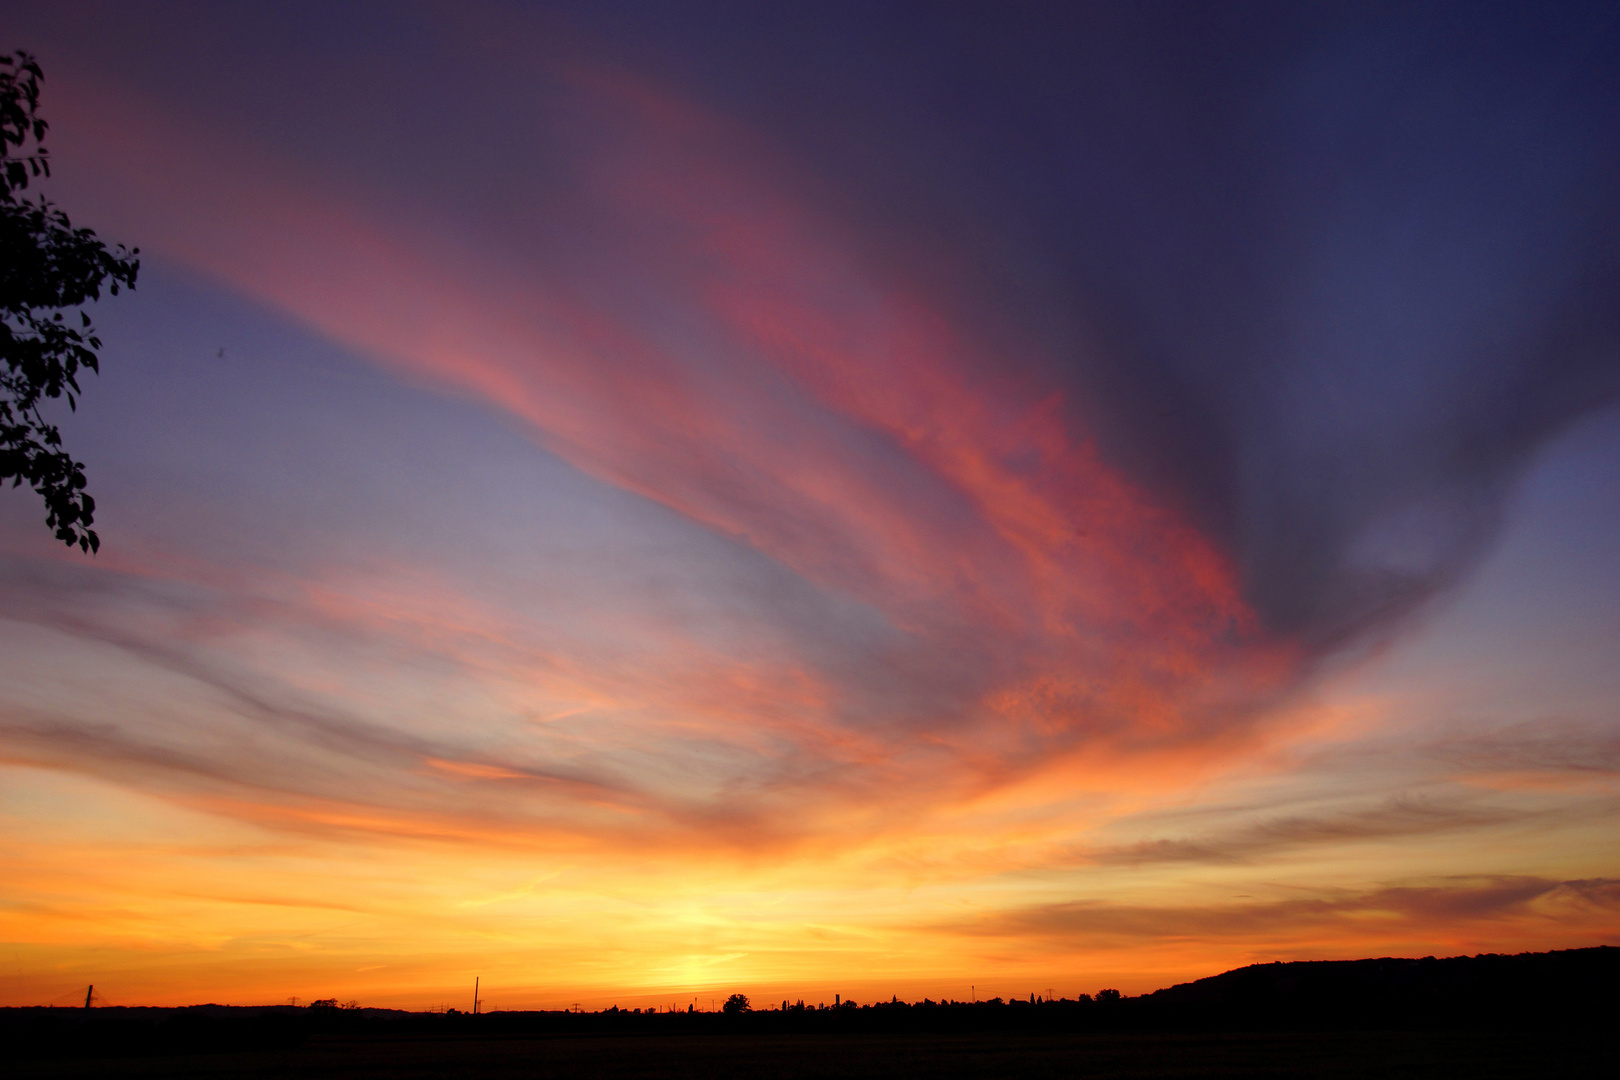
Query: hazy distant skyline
x: 632, y: 501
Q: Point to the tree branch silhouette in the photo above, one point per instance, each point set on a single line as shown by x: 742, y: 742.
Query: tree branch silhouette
x: 48, y: 270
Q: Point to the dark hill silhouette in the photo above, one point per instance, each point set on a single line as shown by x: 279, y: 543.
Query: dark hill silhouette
x: 1538, y: 988
x: 1582, y: 972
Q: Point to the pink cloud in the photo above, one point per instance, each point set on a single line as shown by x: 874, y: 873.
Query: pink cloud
x: 727, y: 355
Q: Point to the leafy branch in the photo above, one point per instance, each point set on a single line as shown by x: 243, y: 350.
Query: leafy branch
x: 48, y: 270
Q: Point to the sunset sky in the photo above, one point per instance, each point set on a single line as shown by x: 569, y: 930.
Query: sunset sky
x: 636, y: 502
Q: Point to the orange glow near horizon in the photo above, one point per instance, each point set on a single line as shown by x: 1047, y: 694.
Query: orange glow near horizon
x: 236, y: 904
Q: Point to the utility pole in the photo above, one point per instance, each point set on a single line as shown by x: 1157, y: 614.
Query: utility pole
x: 475, y: 994
x: 88, y: 992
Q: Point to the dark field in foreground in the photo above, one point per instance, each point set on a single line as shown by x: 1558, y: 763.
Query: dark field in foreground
x: 700, y: 1057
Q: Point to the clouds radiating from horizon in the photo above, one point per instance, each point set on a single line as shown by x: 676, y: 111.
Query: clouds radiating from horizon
x: 891, y: 450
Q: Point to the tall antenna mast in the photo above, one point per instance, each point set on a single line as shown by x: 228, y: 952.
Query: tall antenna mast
x: 475, y: 994
x: 88, y: 992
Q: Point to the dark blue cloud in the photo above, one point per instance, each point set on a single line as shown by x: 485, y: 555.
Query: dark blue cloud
x: 1326, y: 276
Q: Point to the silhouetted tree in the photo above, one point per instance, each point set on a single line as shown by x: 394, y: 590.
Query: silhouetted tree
x: 333, y: 1003
x: 1108, y: 995
x: 736, y: 1003
x: 48, y: 269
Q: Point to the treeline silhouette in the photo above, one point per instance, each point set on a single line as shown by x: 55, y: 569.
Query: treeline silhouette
x: 1576, y: 988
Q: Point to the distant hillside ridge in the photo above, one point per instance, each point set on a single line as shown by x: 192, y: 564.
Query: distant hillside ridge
x: 1489, y: 985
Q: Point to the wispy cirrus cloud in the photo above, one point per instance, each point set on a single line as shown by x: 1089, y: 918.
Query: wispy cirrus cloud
x: 723, y: 355
x: 1246, y: 844
x: 1394, y: 913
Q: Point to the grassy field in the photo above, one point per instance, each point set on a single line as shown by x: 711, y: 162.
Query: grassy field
x: 657, y: 1057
